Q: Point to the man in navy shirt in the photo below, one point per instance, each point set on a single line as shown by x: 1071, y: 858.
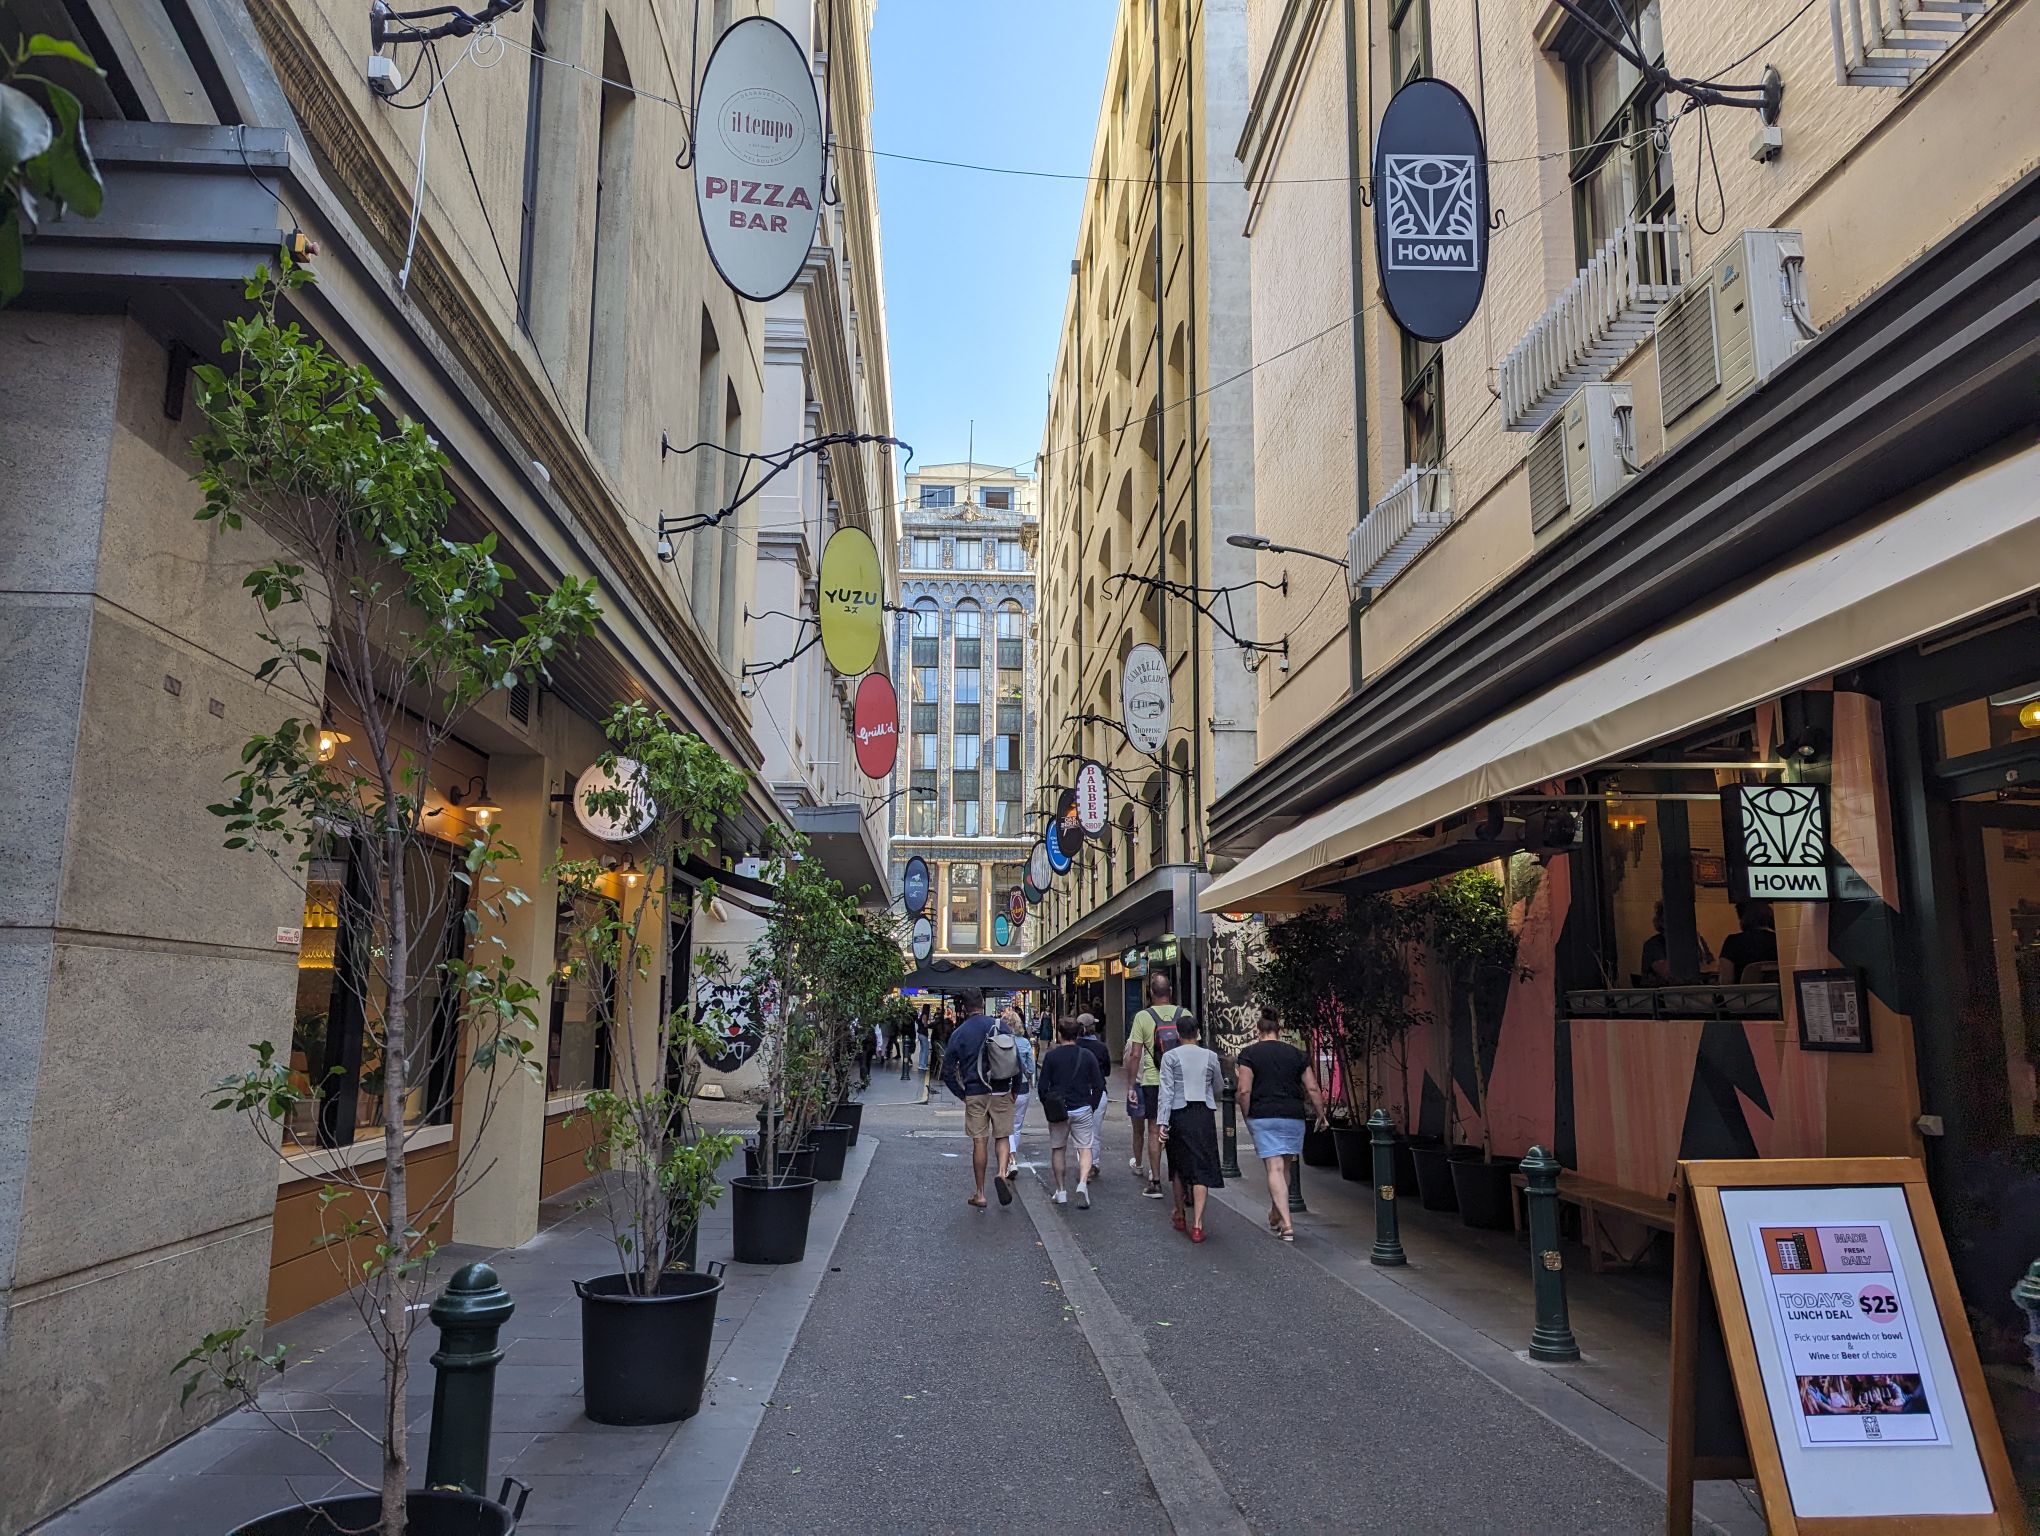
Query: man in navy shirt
x: 987, y: 1103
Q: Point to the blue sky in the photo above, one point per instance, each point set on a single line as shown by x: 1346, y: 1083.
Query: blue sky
x: 977, y: 266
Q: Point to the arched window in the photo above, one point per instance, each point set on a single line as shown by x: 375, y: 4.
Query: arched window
x: 1151, y: 797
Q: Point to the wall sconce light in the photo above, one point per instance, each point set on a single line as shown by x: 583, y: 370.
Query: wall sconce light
x: 326, y: 742
x: 631, y: 874
x: 475, y: 796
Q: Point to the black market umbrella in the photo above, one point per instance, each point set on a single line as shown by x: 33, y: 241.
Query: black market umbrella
x: 978, y: 976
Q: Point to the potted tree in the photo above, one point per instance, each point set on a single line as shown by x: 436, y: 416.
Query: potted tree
x: 369, y: 606
x: 1293, y: 981
x: 1475, y: 947
x: 646, y: 1327
x: 867, y: 967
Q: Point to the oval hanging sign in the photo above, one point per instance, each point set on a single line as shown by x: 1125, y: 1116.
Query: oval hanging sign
x: 1039, y: 872
x: 1068, y: 830
x: 852, y: 601
x: 875, y: 718
x: 621, y: 823
x: 914, y: 886
x: 1051, y: 842
x: 1031, y: 891
x: 1431, y: 209
x: 1144, y: 698
x: 759, y: 157
x: 1002, y: 931
x: 1092, y: 808
x: 1016, y: 905
x: 924, y: 939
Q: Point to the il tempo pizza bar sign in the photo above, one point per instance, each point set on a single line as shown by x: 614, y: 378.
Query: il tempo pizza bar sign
x: 759, y: 157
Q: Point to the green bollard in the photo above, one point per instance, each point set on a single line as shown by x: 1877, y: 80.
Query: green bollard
x: 2026, y: 1296
x: 470, y: 1312
x: 1229, y: 1141
x: 1387, y: 1251
x: 1551, y: 1341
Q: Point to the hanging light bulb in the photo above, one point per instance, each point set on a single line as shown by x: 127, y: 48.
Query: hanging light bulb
x: 2029, y: 715
x: 326, y: 742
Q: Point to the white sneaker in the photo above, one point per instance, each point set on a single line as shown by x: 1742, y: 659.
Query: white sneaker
x: 1059, y: 1198
x: 1083, y: 1197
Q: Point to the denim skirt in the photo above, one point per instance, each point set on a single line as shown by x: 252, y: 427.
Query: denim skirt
x: 1276, y: 1138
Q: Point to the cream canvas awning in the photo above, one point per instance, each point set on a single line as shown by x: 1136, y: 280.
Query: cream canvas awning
x: 1962, y: 551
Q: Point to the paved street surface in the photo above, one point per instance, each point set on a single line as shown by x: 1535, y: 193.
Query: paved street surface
x: 946, y: 1380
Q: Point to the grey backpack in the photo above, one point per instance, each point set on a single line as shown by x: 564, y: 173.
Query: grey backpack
x: 998, y: 1060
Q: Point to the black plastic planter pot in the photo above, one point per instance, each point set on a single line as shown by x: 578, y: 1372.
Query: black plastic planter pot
x: 1405, y: 1171
x: 1319, y: 1151
x: 851, y: 1114
x: 434, y: 1512
x: 1435, y: 1190
x: 1353, y: 1149
x: 801, y: 1164
x: 832, y: 1146
x: 644, y: 1359
x: 769, y: 1221
x: 1483, y: 1190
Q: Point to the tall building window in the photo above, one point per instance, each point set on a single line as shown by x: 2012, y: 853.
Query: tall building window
x: 1011, y: 557
x: 924, y: 554
x: 609, y: 313
x: 970, y: 554
x: 1409, y: 41
x: 921, y: 811
x: 534, y: 107
x: 998, y: 498
x: 1613, y: 113
x: 938, y: 495
x: 1423, y: 401
x: 1012, y: 621
x: 705, y: 564
x: 966, y: 905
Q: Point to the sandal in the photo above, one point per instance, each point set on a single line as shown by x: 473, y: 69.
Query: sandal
x: 1289, y: 1237
x: 976, y: 1200
x: 1274, y: 1219
x: 1176, y: 1220
x: 1197, y: 1234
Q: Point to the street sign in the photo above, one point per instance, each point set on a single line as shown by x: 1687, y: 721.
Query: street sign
x: 1430, y: 209
x: 875, y: 717
x: 914, y: 886
x: 852, y: 601
x: 1777, y: 840
x: 924, y: 939
x: 1144, y: 698
x: 759, y: 158
x: 1051, y: 842
x: 1039, y: 870
x: 1016, y: 905
x: 1002, y: 930
x: 1092, y: 806
x: 1069, y: 830
x: 613, y: 826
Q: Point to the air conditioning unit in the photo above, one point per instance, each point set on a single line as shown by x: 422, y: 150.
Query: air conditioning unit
x: 1730, y: 328
x: 1580, y: 458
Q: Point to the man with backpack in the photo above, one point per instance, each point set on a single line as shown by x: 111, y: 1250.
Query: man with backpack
x: 1150, y: 1037
x: 980, y: 1065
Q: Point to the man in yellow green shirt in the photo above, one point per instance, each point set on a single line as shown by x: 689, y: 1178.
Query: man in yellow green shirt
x: 1143, y: 1064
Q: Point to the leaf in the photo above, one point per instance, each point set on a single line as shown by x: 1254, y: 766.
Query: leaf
x: 24, y: 129
x: 43, y: 46
x: 65, y: 171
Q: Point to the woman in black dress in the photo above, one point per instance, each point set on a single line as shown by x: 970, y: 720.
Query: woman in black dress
x: 1188, y: 1113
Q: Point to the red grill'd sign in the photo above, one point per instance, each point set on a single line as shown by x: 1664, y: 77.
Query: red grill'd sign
x: 758, y: 157
x: 876, y: 720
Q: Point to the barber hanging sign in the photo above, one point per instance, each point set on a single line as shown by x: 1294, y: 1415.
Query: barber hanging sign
x: 1777, y: 836
x: 1431, y: 210
x: 760, y: 155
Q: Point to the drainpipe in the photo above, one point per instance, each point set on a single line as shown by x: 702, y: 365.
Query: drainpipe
x: 1356, y: 232
x: 1194, y: 788
x: 1161, y: 457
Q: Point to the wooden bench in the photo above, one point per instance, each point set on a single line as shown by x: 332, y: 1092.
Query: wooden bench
x: 1595, y: 1200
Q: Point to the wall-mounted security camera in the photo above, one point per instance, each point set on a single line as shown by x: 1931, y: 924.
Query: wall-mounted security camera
x: 665, y: 549
x: 384, y: 78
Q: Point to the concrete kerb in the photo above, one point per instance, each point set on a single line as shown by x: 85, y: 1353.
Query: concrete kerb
x: 691, y: 1480
x: 1541, y: 1388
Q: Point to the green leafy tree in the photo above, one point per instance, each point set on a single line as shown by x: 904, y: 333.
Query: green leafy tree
x: 46, y: 167
x: 1465, y: 918
x: 658, y: 1170
x: 366, y: 600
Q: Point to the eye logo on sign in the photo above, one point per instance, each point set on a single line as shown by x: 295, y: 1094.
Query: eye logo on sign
x: 852, y: 601
x: 914, y: 886
x: 1778, y: 841
x: 758, y: 157
x: 1431, y: 209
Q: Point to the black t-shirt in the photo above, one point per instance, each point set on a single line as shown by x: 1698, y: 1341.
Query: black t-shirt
x: 1277, y: 1093
x: 1747, y: 947
x: 1102, y: 1051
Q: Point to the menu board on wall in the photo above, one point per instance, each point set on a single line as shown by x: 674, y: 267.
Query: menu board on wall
x: 1816, y: 1295
x: 1832, y: 1016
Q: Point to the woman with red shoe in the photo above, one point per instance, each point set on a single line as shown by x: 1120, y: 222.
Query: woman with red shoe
x: 1188, y: 1112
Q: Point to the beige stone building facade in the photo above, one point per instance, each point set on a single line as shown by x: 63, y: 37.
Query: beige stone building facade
x: 1726, y: 497
x: 1145, y: 470
x: 547, y: 308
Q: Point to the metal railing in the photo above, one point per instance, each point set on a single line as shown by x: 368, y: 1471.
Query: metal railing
x: 1417, y: 508
x: 1892, y: 42
x: 1598, y: 321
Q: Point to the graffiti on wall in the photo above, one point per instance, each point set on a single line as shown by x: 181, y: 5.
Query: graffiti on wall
x: 1237, y: 955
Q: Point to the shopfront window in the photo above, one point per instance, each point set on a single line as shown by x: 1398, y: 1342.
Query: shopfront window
x: 583, y: 998
x: 966, y: 904
x: 338, y: 1024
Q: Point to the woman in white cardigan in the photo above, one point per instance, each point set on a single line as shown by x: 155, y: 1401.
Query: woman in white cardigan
x: 1191, y: 1085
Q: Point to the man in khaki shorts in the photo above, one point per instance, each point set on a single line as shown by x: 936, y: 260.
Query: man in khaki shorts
x: 980, y: 1046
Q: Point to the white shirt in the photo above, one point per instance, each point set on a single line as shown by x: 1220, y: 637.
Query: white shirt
x: 1190, y: 1075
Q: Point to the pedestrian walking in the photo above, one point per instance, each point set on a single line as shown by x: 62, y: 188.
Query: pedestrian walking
x: 1150, y: 1037
x: 980, y: 1064
x: 1071, y: 1087
x: 1275, y: 1088
x: 867, y: 1049
x: 1087, y: 1037
x: 1023, y: 1090
x: 1188, y: 1104
x: 907, y: 1043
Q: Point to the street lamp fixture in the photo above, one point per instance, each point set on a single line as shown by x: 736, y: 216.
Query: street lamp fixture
x: 1260, y: 545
